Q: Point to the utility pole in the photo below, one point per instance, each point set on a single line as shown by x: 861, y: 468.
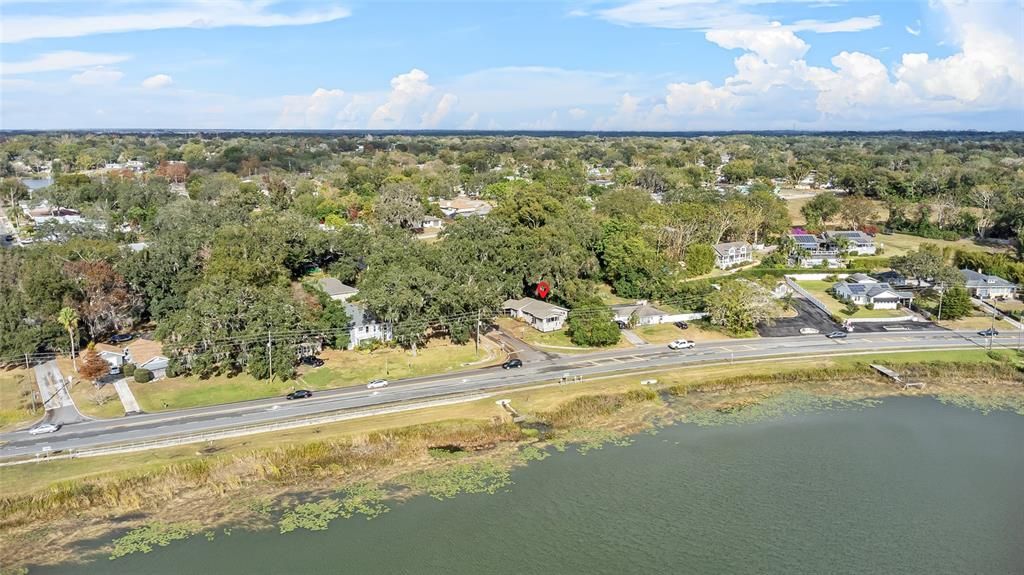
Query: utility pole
x: 992, y: 329
x: 942, y: 292
x: 478, y: 333
x: 270, y: 356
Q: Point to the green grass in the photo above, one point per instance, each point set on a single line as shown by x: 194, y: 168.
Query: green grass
x: 818, y: 288
x: 16, y: 389
x: 900, y: 244
x: 953, y: 355
x: 557, y: 341
x: 341, y: 369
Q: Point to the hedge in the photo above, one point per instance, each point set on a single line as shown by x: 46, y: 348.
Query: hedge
x: 143, y: 375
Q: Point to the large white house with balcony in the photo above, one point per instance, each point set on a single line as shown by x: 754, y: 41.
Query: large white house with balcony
x: 732, y: 254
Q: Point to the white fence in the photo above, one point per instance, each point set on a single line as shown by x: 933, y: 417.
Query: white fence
x: 806, y: 294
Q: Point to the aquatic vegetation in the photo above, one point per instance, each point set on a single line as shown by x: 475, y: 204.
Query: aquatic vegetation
x: 752, y: 409
x: 143, y: 539
x: 447, y: 482
x: 984, y: 403
x: 312, y: 516
x: 365, y: 499
x: 589, y: 439
x: 532, y: 453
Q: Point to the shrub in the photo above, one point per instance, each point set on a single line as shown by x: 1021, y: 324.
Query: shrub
x: 128, y: 369
x: 143, y: 375
x: 870, y: 305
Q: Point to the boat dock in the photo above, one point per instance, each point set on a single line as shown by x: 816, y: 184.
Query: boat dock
x: 896, y: 377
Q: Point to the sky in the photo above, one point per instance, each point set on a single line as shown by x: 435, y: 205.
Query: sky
x: 657, y: 65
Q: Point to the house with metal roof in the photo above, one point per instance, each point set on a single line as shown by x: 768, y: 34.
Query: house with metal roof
x: 732, y: 254
x: 335, y: 289
x: 983, y: 286
x: 542, y: 315
x: 641, y: 313
x: 878, y: 295
x: 856, y: 242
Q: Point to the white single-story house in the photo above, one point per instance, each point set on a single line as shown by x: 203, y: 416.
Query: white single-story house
x: 335, y: 289
x: 365, y: 326
x: 984, y: 286
x: 431, y: 223
x: 461, y: 206
x: 857, y: 242
x: 732, y: 254
x: 542, y: 315
x: 879, y: 295
x: 643, y: 312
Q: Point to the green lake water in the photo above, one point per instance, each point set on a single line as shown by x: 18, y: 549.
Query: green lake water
x: 910, y: 486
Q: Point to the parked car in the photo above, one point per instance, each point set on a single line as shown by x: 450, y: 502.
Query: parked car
x: 681, y: 344
x: 121, y: 338
x: 682, y: 325
x: 313, y: 361
x: 377, y: 384
x: 300, y: 394
x: 43, y: 428
x: 9, y: 238
x: 622, y: 324
x: 512, y: 363
x: 990, y: 332
x: 809, y: 331
x: 836, y: 335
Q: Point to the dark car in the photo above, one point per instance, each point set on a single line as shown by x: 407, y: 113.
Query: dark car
x: 9, y: 238
x: 622, y: 324
x: 313, y: 361
x: 682, y: 325
x: 512, y: 364
x: 300, y: 394
x: 989, y: 332
x: 836, y: 335
x: 121, y: 338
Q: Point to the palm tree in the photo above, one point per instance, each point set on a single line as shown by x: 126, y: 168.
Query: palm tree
x: 68, y: 318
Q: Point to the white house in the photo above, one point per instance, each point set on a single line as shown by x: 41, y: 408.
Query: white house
x: 812, y: 251
x: 984, y: 286
x: 542, y: 315
x: 431, y: 223
x: 461, y: 206
x: 732, y: 254
x: 857, y: 242
x: 644, y: 313
x: 365, y: 326
x: 878, y: 295
x: 336, y: 290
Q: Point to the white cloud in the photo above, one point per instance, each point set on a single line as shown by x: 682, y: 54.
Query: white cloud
x: 181, y: 14
x: 914, y: 31
x: 157, y: 81
x: 444, y: 106
x: 577, y: 113
x: 316, y: 111
x: 64, y: 60
x: 470, y: 122
x: 407, y: 91
x: 713, y: 14
x: 97, y: 76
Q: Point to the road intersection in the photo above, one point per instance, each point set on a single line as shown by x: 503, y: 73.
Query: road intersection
x: 150, y: 426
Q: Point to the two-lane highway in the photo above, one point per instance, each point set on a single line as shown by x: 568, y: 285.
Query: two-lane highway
x: 95, y: 433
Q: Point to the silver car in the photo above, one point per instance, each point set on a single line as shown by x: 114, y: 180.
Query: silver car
x: 43, y: 428
x: 377, y: 384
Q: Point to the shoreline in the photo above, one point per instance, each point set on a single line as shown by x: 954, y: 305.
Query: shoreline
x: 244, y: 487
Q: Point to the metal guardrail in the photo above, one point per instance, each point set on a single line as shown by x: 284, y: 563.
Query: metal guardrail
x: 807, y: 295
x: 242, y: 431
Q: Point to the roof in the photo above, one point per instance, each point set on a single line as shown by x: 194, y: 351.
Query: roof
x: 891, y: 277
x: 143, y: 350
x: 137, y: 246
x: 534, y: 307
x: 975, y: 279
x: 723, y: 249
x: 872, y: 291
x: 853, y: 236
x: 861, y: 278
x: 334, y: 287
x: 640, y: 309
x: 805, y: 240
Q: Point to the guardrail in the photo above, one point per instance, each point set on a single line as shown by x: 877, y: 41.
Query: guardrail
x: 807, y: 295
x: 241, y: 431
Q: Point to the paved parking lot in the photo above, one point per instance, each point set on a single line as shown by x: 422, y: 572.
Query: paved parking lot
x: 808, y: 315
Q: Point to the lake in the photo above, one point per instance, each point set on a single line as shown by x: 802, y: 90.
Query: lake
x: 909, y: 486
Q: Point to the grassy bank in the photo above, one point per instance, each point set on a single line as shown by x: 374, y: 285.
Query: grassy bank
x: 19, y: 399
x: 257, y: 481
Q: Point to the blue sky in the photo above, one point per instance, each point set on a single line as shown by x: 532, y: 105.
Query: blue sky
x: 625, y: 65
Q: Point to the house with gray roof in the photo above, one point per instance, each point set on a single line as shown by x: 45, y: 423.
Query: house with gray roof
x: 365, y: 326
x: 732, y: 254
x: 335, y: 289
x: 857, y: 242
x: 878, y: 295
x: 641, y: 312
x: 984, y: 286
x: 542, y: 315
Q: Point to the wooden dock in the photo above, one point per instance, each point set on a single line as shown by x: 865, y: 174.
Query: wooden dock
x: 896, y: 377
x: 507, y: 405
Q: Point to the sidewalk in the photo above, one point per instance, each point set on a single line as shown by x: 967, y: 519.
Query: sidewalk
x: 131, y: 406
x: 633, y: 338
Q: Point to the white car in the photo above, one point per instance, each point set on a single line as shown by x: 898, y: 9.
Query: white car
x: 681, y: 344
x: 808, y: 331
x: 43, y: 428
x: 377, y: 384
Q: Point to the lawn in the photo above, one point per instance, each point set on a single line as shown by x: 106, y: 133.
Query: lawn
x: 554, y: 341
x: 604, y: 291
x: 342, y: 368
x: 818, y: 290
x: 17, y: 390
x: 900, y: 244
x: 666, y: 332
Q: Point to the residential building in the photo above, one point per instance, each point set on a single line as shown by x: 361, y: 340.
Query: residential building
x: 811, y: 251
x: 732, y: 254
x: 984, y: 286
x: 542, y: 315
x: 431, y: 223
x: 878, y: 295
x: 336, y: 290
x: 856, y: 242
x: 641, y: 312
x: 365, y: 326
x: 462, y: 206
x: 141, y: 352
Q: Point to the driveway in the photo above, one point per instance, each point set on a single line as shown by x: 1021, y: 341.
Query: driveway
x: 517, y: 347
x: 808, y: 315
x: 60, y: 408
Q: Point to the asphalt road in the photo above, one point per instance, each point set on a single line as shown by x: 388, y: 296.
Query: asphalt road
x: 95, y: 433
